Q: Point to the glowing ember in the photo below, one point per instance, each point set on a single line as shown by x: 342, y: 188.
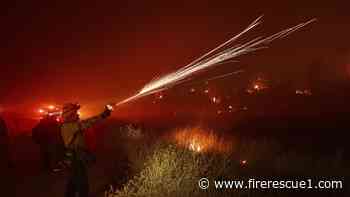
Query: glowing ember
x: 51, y: 107
x: 206, y: 91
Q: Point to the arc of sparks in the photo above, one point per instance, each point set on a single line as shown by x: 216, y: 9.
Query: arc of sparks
x: 214, y: 57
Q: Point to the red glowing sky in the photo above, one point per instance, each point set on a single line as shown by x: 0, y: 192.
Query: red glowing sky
x: 95, y: 52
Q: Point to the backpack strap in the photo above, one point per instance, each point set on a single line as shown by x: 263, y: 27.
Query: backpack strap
x: 75, y: 136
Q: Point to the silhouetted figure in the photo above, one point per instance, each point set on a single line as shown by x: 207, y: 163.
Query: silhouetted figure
x: 4, y: 143
x: 72, y: 131
x: 43, y: 134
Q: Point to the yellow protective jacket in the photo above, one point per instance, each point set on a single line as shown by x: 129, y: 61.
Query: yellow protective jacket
x: 70, y: 129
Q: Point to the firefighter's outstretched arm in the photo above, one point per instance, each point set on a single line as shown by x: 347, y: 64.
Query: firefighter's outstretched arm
x: 87, y: 123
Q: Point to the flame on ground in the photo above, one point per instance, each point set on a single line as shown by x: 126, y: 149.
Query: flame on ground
x: 202, y: 140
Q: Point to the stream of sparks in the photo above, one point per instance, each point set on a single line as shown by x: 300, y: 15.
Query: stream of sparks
x: 219, y: 55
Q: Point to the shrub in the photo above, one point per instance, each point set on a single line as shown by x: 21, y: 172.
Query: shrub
x: 174, y: 171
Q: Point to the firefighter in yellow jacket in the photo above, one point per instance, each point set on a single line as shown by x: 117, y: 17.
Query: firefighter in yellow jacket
x: 72, y: 131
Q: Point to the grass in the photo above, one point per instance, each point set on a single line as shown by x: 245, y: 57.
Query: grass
x: 170, y: 165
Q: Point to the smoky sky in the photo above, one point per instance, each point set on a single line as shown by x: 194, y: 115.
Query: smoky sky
x: 103, y: 50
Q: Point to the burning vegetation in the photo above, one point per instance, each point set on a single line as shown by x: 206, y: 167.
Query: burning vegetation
x: 173, y: 167
x: 199, y: 139
x: 258, y: 85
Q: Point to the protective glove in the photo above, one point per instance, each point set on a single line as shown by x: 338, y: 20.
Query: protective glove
x: 107, y: 112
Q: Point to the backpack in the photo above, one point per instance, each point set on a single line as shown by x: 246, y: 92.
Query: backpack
x: 47, y: 134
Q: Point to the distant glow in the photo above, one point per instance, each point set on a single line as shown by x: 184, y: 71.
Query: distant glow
x: 305, y: 92
x: 49, y: 110
x: 206, y: 91
x: 217, y: 56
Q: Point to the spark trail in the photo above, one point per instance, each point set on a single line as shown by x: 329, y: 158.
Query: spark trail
x: 224, y: 52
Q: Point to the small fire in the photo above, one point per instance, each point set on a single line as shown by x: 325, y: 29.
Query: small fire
x: 258, y: 85
x: 230, y: 109
x: 201, y: 140
x: 243, y: 162
x: 215, y: 100
x: 195, y: 147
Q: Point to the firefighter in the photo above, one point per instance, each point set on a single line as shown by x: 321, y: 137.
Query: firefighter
x: 72, y: 131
